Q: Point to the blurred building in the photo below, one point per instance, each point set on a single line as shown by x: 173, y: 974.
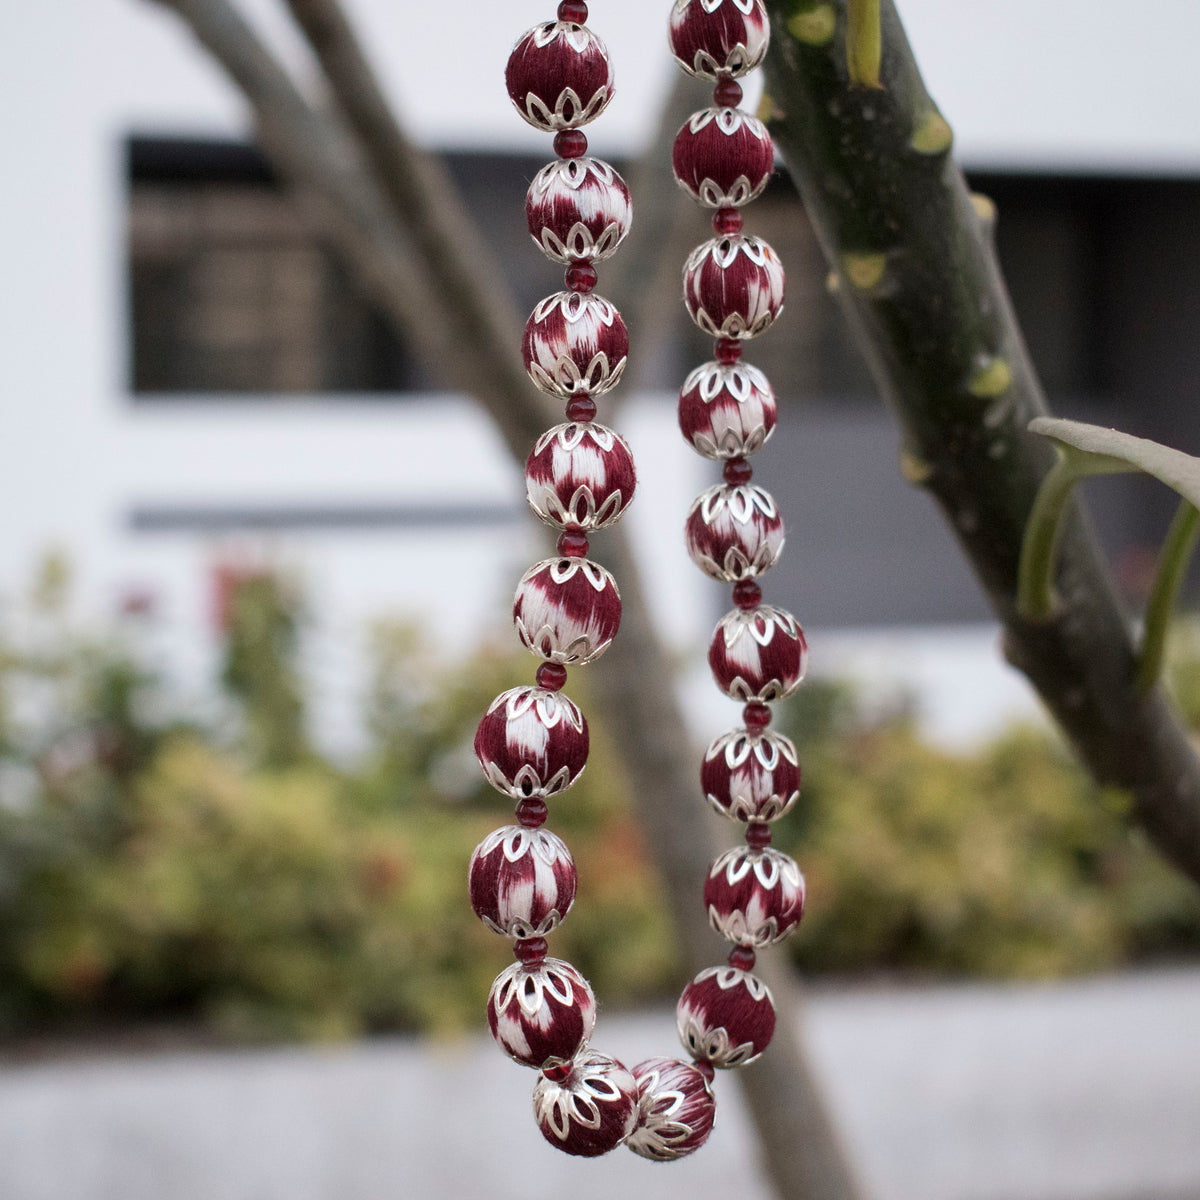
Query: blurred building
x: 193, y: 375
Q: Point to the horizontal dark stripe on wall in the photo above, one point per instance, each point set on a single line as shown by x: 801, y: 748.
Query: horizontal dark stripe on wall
x: 229, y: 518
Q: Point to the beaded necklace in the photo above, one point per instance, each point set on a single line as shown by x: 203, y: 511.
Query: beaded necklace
x: 532, y: 742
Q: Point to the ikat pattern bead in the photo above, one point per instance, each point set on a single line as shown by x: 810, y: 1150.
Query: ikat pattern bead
x: 531, y: 742
x: 723, y: 157
x: 559, y: 76
x: 578, y: 210
x: 575, y: 344
x: 726, y: 1017
x: 567, y: 610
x: 580, y: 474
x: 734, y: 533
x: 751, y: 776
x: 733, y: 286
x: 541, y: 1012
x: 592, y: 1110
x: 754, y: 897
x: 521, y: 881
x: 726, y: 410
x: 758, y: 655
x: 676, y: 1110
x: 710, y: 36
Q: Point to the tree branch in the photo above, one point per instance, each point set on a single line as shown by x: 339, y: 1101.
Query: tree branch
x: 924, y: 297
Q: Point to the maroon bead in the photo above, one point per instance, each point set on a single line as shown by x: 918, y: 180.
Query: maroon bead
x: 756, y: 715
x: 727, y: 350
x: 705, y: 1068
x: 530, y: 950
x: 737, y: 472
x: 727, y: 220
x: 746, y: 594
x: 532, y: 811
x: 742, y: 957
x: 574, y: 11
x: 581, y: 409
x: 551, y: 676
x: 573, y: 544
x: 727, y: 93
x: 580, y: 277
x: 570, y: 143
x: 557, y: 1072
x: 758, y: 837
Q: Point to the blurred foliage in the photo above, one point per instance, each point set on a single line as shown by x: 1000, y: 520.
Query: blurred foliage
x: 152, y: 869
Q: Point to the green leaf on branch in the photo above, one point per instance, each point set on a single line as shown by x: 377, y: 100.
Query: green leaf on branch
x: 1085, y: 450
x: 864, y: 43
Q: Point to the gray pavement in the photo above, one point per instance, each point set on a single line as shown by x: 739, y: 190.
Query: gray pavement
x: 1086, y: 1091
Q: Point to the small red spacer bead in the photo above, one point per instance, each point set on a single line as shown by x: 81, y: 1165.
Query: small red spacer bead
x: 705, y: 1068
x: 573, y: 544
x: 581, y: 408
x: 727, y: 93
x: 737, y: 472
x: 742, y: 957
x: 728, y: 350
x: 570, y: 143
x: 530, y: 950
x: 727, y: 221
x: 551, y: 676
x: 557, y: 1072
x: 746, y: 595
x: 758, y: 835
x: 573, y: 11
x: 580, y: 277
x: 756, y: 715
x: 532, y: 812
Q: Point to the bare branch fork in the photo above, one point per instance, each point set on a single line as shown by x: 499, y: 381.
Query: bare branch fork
x: 395, y: 216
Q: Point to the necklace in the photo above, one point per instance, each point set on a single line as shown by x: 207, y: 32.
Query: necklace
x: 532, y: 742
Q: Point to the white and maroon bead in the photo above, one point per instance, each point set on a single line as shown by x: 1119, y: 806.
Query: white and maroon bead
x: 733, y: 286
x: 751, y: 776
x: 711, y: 36
x: 723, y: 157
x: 726, y: 1017
x: 521, y: 881
x: 578, y: 210
x: 531, y: 742
x: 734, y: 532
x: 676, y: 1110
x: 541, y: 1011
x: 754, y: 897
x: 559, y: 76
x: 589, y: 1112
x: 726, y: 410
x: 760, y: 654
x: 567, y: 610
x: 580, y: 474
x: 575, y: 344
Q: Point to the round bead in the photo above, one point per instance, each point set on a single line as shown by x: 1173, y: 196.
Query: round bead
x: 676, y: 1108
x: 734, y: 533
x: 726, y: 221
x: 727, y: 93
x: 575, y: 343
x: 580, y: 475
x: 751, y: 775
x: 754, y: 897
x: 746, y: 595
x: 567, y: 610
x: 711, y: 36
x: 552, y: 676
x: 578, y: 209
x: 559, y: 76
x: 570, y: 143
x: 758, y: 655
x: 756, y: 715
x: 733, y: 286
x: 723, y: 157
x: 541, y: 1011
x: 532, y: 812
x: 521, y: 881
x: 589, y: 1112
x: 531, y: 742
x: 573, y: 544
x: 726, y: 1017
x: 530, y: 951
x: 726, y: 410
